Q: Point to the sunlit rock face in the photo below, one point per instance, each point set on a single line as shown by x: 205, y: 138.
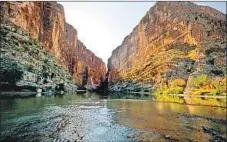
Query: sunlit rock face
x: 46, y: 22
x: 174, y: 40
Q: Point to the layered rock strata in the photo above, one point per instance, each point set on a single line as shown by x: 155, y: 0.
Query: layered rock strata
x: 174, y: 44
x: 45, y: 21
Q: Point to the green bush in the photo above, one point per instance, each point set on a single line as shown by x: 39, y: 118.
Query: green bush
x: 199, y: 92
x: 46, y: 62
x: 10, y: 70
x: 199, y: 80
x: 177, y: 82
x: 220, y: 86
x: 158, y: 91
x: 29, y: 66
x: 19, y: 49
x: 173, y: 90
x: 214, y: 92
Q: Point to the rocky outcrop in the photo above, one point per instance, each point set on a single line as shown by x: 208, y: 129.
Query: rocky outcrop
x: 174, y: 43
x: 45, y: 21
x: 25, y: 66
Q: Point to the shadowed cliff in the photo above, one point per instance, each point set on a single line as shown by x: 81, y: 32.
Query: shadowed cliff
x: 45, y: 21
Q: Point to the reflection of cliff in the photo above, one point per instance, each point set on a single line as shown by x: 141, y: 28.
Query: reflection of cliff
x: 45, y: 21
x: 172, y: 41
x: 164, y: 118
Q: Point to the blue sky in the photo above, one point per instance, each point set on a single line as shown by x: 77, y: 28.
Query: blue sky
x: 102, y: 26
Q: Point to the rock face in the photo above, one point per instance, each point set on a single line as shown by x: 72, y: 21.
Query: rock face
x: 25, y: 66
x: 174, y: 43
x: 45, y: 21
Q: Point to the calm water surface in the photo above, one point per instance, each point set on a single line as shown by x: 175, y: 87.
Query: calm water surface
x: 93, y: 117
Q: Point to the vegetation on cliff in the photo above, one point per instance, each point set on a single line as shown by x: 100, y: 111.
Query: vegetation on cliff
x: 25, y: 65
x: 177, y: 48
x: 45, y: 22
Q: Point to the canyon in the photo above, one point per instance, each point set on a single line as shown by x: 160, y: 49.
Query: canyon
x: 165, y: 82
x: 45, y: 22
x: 177, y: 48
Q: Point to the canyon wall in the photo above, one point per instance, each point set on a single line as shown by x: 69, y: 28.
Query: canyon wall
x: 45, y: 21
x: 174, y: 42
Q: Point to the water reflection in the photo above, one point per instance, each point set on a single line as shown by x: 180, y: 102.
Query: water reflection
x: 164, y: 117
x: 104, y: 117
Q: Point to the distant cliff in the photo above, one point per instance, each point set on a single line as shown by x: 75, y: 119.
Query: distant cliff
x: 45, y: 21
x: 177, y: 47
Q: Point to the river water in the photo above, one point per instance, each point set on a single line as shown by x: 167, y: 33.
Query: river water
x: 94, y: 117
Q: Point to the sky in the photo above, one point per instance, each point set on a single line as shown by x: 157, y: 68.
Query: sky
x: 102, y: 26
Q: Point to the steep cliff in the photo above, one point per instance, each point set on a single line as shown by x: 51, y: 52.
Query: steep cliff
x: 174, y: 44
x: 45, y: 21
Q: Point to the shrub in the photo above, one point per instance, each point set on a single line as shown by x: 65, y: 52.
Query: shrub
x: 46, y: 62
x: 11, y: 70
x: 220, y: 84
x: 177, y: 82
x: 173, y: 90
x: 29, y: 66
x: 214, y: 92
x: 199, y: 80
x: 199, y: 92
x: 19, y: 49
x: 40, y: 56
x: 192, y: 55
x: 158, y: 91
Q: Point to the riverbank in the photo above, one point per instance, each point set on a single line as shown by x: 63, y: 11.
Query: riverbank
x: 181, y: 95
x: 27, y: 94
x: 217, y: 101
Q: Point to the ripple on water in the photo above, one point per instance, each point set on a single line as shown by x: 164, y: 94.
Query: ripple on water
x: 68, y: 118
x: 72, y: 122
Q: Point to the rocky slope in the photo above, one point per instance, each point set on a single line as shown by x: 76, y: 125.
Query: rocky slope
x: 25, y: 66
x: 177, y: 47
x: 45, y: 21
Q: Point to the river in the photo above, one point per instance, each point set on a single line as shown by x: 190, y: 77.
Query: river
x: 94, y: 117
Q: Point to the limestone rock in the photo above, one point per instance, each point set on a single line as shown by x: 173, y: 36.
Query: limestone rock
x: 172, y: 41
x: 45, y: 21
